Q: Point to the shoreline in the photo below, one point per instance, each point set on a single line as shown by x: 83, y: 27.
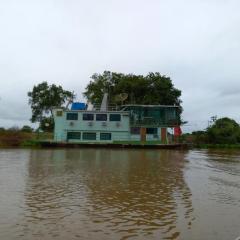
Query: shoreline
x: 216, y: 146
x: 36, y: 144
x: 132, y: 145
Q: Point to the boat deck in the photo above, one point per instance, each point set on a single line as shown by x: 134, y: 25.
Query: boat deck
x: 52, y: 144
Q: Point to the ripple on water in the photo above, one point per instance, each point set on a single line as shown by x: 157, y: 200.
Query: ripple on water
x: 103, y: 194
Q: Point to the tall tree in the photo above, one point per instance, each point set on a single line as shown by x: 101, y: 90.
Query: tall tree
x: 153, y: 88
x: 43, y: 98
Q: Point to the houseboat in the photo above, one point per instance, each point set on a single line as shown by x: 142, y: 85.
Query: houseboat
x: 123, y: 124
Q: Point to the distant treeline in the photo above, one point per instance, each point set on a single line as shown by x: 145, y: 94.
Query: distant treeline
x: 25, y: 128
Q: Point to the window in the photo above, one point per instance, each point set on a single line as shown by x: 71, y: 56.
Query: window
x: 72, y: 116
x: 135, y: 130
x: 73, y: 135
x: 115, y: 117
x: 89, y: 136
x: 59, y: 113
x: 88, y: 117
x: 152, y: 131
x: 105, y: 136
x: 101, y: 117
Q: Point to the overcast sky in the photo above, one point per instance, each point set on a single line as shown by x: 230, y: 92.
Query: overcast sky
x: 195, y: 42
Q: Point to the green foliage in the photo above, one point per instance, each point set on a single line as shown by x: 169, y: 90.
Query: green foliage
x: 224, y: 131
x: 43, y: 98
x: 200, y: 137
x: 151, y: 89
x: 47, y: 124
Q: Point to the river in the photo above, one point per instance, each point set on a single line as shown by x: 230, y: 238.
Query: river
x: 119, y: 194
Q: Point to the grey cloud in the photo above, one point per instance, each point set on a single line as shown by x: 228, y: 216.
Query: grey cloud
x: 230, y: 92
x: 195, y: 42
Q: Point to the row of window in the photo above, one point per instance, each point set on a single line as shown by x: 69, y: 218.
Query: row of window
x: 99, y: 117
x: 136, y: 130
x: 88, y: 136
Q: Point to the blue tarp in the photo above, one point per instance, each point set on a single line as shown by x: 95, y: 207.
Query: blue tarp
x: 78, y: 106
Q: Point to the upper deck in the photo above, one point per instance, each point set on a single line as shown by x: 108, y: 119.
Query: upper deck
x: 153, y: 115
x: 137, y: 115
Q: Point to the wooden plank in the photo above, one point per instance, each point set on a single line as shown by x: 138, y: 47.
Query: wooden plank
x: 143, y: 134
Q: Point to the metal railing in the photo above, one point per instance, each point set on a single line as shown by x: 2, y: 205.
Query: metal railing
x: 151, y: 122
x: 109, y: 108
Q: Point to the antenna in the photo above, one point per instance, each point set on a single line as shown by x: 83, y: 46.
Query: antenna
x: 70, y: 100
x: 104, y: 105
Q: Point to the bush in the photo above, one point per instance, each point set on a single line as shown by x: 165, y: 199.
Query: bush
x: 13, y: 138
x: 224, y: 131
x: 27, y: 129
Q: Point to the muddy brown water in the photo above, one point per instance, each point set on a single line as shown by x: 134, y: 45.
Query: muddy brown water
x: 119, y: 194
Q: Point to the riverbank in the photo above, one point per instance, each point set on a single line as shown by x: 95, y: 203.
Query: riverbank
x: 19, y: 139
x: 111, y: 145
x: 11, y: 138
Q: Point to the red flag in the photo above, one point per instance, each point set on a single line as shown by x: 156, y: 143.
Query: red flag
x: 177, y: 131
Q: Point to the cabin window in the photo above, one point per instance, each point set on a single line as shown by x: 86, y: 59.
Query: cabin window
x: 152, y: 131
x: 72, y: 116
x: 101, y: 117
x: 89, y: 136
x: 105, y: 136
x: 135, y: 130
x: 115, y: 117
x: 88, y: 117
x: 73, y: 135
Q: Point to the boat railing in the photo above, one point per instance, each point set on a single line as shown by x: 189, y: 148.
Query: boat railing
x: 109, y: 108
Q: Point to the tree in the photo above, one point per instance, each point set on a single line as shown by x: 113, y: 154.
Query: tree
x: 199, y: 137
x: 27, y: 129
x: 47, y: 124
x: 224, y: 131
x: 151, y: 89
x: 43, y: 98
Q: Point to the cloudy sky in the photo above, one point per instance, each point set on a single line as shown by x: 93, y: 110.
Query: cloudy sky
x: 195, y: 42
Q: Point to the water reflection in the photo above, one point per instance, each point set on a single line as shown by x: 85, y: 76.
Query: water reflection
x: 106, y: 194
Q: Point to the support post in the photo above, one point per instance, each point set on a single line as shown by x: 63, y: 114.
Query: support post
x: 164, y: 135
x: 143, y: 134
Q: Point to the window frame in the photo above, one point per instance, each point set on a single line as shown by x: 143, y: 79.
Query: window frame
x: 135, y: 130
x: 101, y: 114
x: 88, y: 114
x: 104, y: 139
x: 75, y: 138
x: 59, y: 113
x: 89, y: 133
x: 151, y: 131
x: 114, y: 115
x: 71, y: 114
